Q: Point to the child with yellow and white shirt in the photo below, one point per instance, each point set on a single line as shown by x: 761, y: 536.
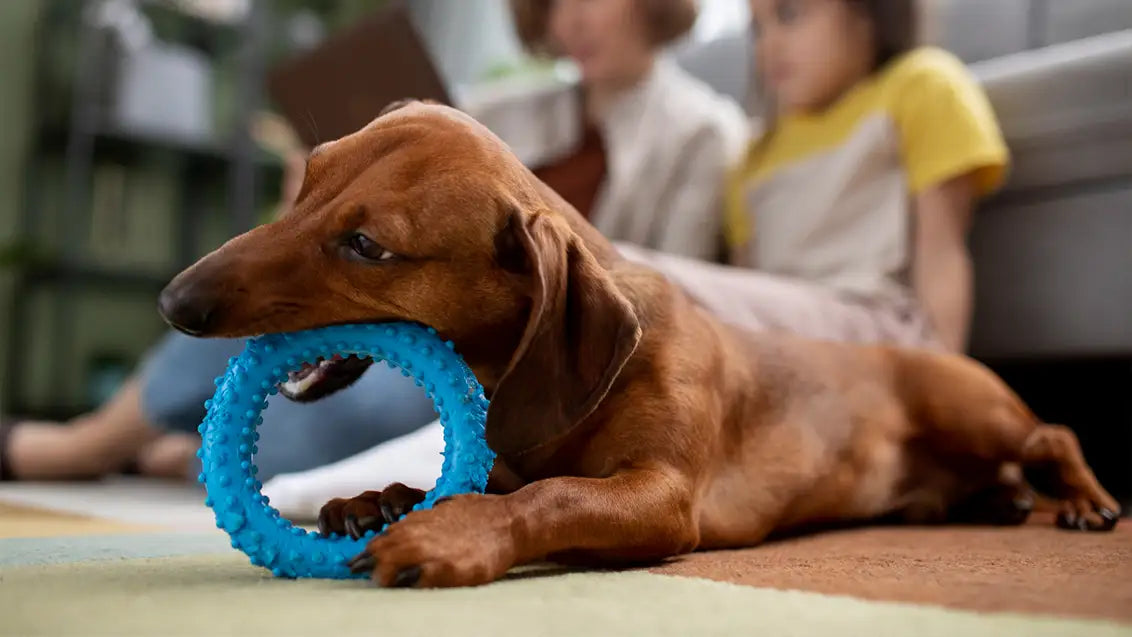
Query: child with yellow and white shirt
x: 847, y: 218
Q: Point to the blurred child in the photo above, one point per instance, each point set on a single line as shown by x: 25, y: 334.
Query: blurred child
x: 853, y: 203
x: 646, y: 143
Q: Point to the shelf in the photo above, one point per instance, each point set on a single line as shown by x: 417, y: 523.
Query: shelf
x: 124, y: 142
x: 66, y: 146
x: 93, y: 275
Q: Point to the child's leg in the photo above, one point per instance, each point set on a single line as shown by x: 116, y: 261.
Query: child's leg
x: 759, y: 301
x: 166, y: 394
x: 379, y: 406
x: 413, y: 459
x: 178, y: 375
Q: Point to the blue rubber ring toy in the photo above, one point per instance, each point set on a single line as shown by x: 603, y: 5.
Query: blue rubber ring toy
x: 228, y: 436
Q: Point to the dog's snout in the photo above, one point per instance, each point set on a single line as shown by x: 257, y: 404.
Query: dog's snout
x: 187, y: 307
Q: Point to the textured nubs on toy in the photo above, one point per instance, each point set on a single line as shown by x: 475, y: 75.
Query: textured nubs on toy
x: 298, y: 361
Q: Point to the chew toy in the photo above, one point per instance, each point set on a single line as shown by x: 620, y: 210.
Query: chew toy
x: 229, y: 436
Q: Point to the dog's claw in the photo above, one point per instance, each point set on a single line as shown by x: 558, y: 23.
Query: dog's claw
x: 1073, y: 522
x: 1110, y: 517
x: 369, y: 523
x: 388, y: 513
x: 362, y: 563
x: 352, y: 527
x: 407, y: 577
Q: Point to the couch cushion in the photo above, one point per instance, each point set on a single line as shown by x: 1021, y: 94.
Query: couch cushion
x: 1052, y: 251
x: 1066, y: 110
x: 1073, y: 19
x: 979, y: 29
x: 1051, y: 276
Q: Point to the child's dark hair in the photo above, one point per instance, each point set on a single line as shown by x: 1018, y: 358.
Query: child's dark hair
x: 896, y: 25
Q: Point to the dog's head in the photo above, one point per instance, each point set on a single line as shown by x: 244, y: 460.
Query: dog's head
x: 425, y: 216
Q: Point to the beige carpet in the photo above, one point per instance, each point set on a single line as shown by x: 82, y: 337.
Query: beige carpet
x: 221, y: 595
x: 29, y: 521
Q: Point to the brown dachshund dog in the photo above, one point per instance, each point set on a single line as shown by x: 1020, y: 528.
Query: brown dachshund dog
x: 630, y: 425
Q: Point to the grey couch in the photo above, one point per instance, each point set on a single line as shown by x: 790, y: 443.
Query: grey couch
x: 1053, y: 250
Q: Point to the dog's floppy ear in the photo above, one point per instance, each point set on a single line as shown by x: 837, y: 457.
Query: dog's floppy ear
x: 580, y: 333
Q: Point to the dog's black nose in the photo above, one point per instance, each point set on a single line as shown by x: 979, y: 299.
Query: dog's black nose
x: 187, y: 308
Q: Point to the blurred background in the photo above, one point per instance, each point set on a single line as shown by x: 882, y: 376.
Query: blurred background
x: 137, y: 137
x: 128, y: 153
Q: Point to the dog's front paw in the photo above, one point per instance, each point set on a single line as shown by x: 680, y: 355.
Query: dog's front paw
x: 1084, y: 515
x: 367, y: 512
x: 464, y: 541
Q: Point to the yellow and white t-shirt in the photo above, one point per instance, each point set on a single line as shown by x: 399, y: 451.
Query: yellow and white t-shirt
x: 828, y: 197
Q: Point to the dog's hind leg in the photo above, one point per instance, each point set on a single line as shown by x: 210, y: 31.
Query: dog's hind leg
x: 1085, y: 504
x: 969, y: 416
x: 1050, y: 451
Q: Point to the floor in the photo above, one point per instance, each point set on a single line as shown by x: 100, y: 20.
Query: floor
x: 129, y: 557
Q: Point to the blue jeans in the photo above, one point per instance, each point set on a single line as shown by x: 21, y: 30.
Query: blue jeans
x: 177, y: 376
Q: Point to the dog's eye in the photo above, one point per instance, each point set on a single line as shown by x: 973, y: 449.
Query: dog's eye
x: 368, y: 249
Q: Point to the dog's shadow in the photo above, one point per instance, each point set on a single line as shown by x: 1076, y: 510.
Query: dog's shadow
x: 542, y: 570
x: 551, y: 569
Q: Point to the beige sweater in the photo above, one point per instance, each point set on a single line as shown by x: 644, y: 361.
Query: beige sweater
x: 670, y: 141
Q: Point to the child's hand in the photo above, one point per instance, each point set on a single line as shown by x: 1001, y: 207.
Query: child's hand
x: 294, y: 169
x: 274, y: 134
